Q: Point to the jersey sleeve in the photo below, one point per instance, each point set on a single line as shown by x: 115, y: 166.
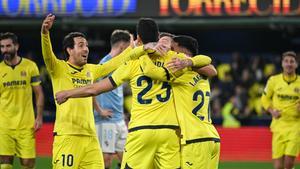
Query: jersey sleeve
x: 50, y: 59
x: 154, y: 72
x: 35, y: 75
x: 200, y: 60
x: 122, y: 74
x: 108, y: 67
x: 266, y: 98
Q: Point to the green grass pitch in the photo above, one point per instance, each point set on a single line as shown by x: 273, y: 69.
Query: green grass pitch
x: 45, y: 163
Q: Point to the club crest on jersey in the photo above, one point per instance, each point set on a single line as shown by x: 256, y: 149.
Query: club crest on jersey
x: 88, y: 74
x: 23, y: 73
x: 297, y: 90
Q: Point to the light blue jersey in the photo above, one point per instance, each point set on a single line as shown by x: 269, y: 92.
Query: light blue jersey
x: 110, y: 100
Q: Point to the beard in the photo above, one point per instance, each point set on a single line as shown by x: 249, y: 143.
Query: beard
x: 9, y: 55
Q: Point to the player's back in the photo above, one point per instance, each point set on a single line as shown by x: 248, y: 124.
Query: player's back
x: 152, y: 103
x: 192, y: 95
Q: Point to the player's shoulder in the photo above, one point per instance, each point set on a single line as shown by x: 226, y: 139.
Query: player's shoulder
x: 276, y: 77
x: 28, y: 62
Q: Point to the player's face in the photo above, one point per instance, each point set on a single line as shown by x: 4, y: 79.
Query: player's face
x: 289, y: 64
x: 80, y: 51
x: 8, y: 49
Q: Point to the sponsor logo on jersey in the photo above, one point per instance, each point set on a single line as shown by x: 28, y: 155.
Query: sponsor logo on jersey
x: 15, y: 83
x: 23, y: 74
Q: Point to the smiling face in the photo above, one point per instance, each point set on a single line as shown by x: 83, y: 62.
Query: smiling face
x: 79, y: 53
x: 8, y: 49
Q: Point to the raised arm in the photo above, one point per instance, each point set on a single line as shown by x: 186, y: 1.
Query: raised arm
x: 48, y: 55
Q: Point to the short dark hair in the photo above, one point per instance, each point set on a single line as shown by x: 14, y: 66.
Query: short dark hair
x: 9, y: 35
x: 290, y: 53
x: 147, y: 29
x: 119, y: 36
x: 187, y: 42
x: 68, y: 42
x: 163, y: 34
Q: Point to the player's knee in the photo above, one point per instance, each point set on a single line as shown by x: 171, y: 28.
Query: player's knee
x: 27, y: 163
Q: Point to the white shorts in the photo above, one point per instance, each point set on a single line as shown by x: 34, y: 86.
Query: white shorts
x: 112, y: 136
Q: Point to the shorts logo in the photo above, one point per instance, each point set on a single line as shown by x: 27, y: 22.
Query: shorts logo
x: 56, y: 161
x: 189, y: 163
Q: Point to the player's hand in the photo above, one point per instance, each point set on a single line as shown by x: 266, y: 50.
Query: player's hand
x: 106, y: 113
x: 61, y: 97
x: 177, y: 64
x: 275, y: 113
x: 38, y: 123
x: 162, y: 48
x: 47, y: 23
x: 149, y: 47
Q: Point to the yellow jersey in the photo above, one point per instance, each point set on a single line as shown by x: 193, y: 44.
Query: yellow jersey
x: 75, y: 116
x: 283, y: 96
x: 152, y: 101
x: 191, y: 95
x: 16, y: 107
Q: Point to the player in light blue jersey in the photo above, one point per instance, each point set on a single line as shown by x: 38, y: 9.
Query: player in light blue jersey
x: 109, y: 117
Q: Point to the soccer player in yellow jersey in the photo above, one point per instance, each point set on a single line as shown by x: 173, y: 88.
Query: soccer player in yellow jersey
x: 19, y: 78
x: 152, y: 140
x: 200, y: 140
x: 281, y: 98
x: 75, y: 142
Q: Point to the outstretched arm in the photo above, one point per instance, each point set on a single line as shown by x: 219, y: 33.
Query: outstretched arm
x: 95, y: 89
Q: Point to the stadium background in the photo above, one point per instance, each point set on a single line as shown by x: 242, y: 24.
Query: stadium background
x: 244, y: 37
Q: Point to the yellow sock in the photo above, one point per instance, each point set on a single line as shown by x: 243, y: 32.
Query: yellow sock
x: 6, y: 166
